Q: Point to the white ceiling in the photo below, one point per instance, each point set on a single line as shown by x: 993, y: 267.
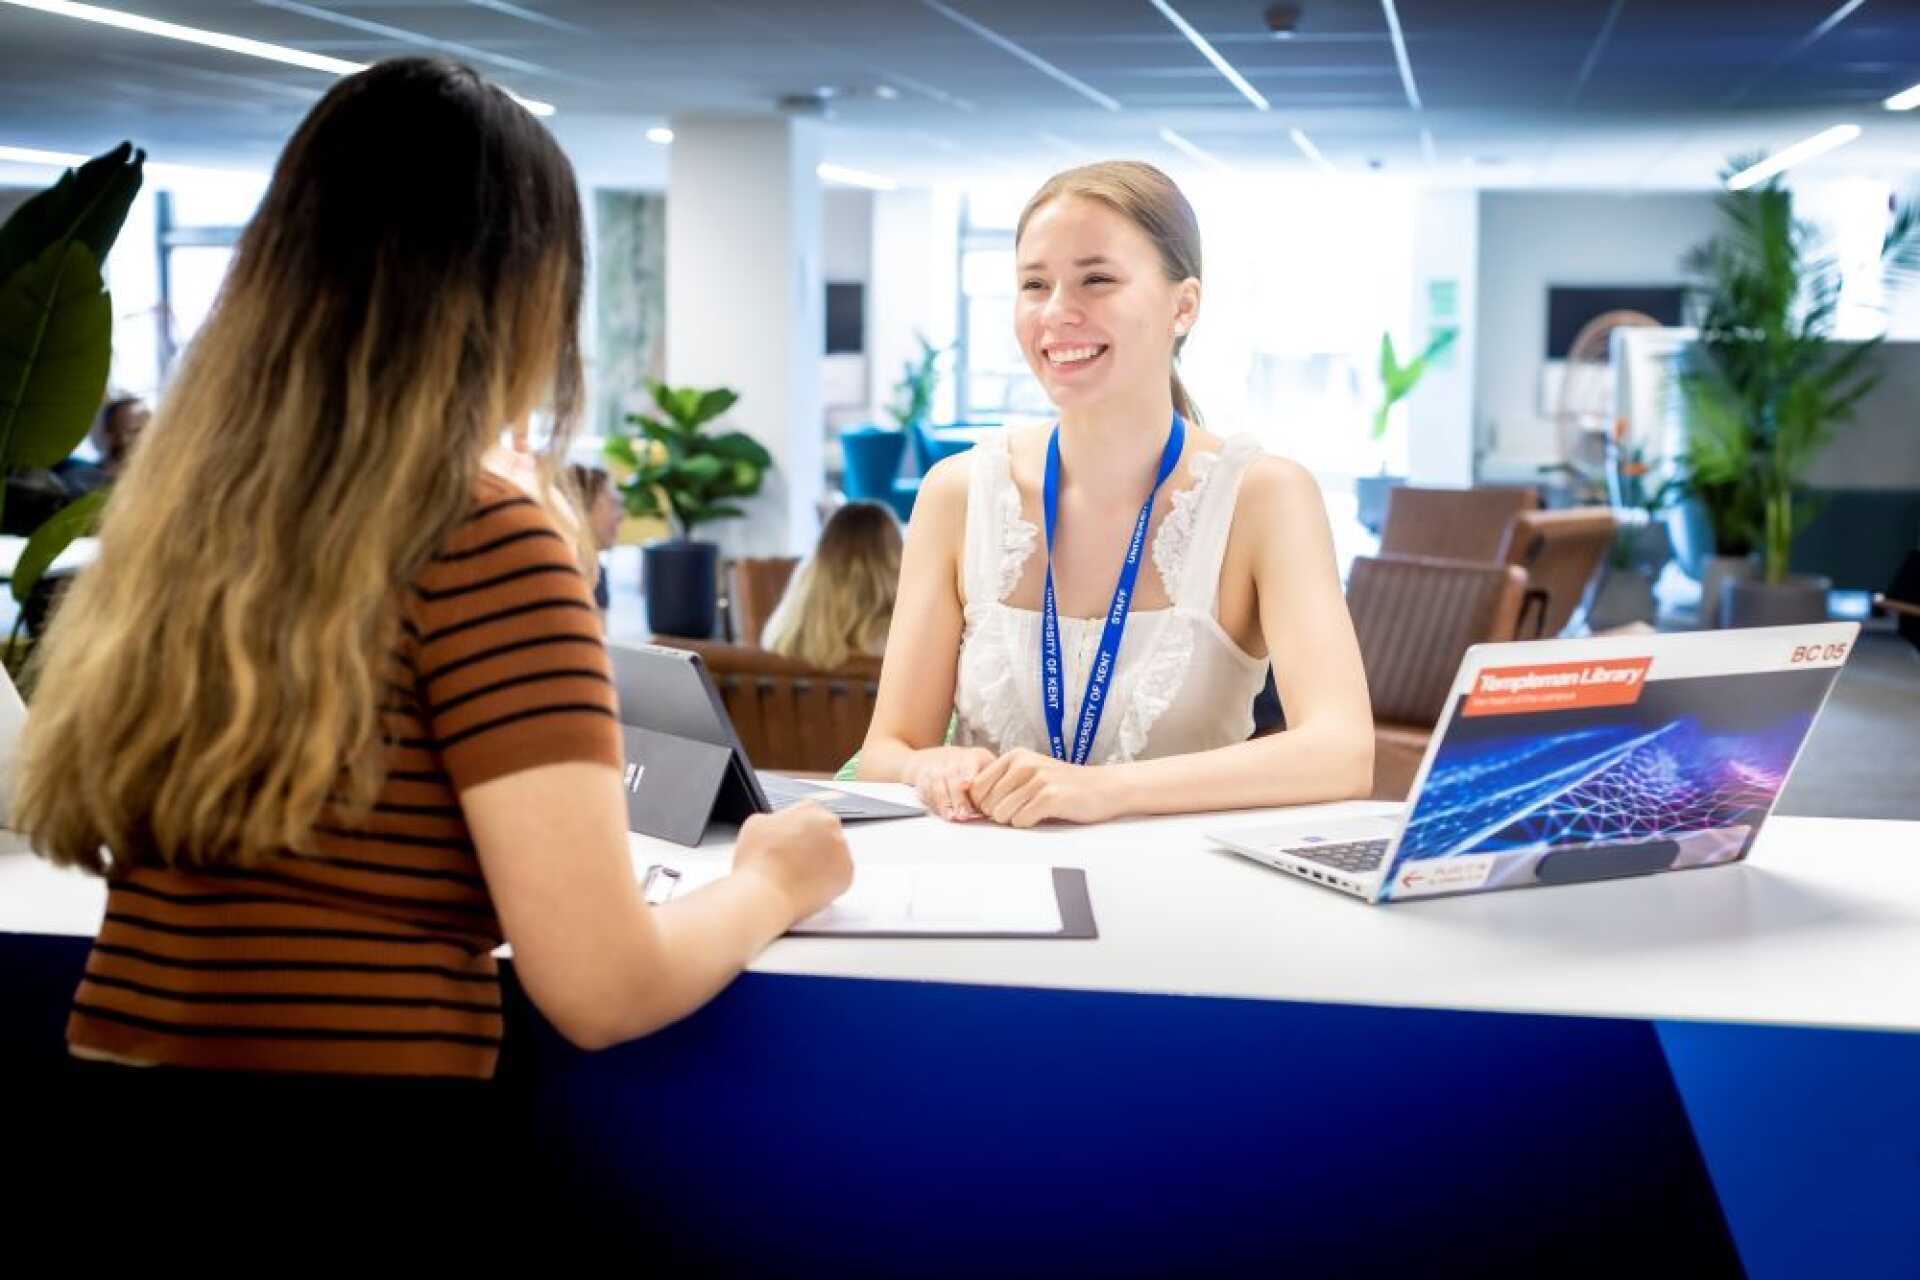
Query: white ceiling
x: 1621, y: 93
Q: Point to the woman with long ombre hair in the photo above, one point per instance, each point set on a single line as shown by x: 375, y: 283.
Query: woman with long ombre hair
x: 840, y: 602
x: 332, y: 709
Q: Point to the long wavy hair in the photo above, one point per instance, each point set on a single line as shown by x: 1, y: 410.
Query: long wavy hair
x: 1150, y: 200
x: 840, y: 602
x: 409, y: 288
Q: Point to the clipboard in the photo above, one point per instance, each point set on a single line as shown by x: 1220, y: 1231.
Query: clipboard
x: 1075, y: 905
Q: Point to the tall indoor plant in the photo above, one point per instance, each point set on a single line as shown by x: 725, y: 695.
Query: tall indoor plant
x: 1765, y: 388
x: 912, y: 407
x: 680, y: 470
x: 56, y: 334
x: 1397, y: 382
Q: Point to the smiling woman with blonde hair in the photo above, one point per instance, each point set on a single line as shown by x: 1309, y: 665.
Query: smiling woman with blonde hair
x: 1093, y: 604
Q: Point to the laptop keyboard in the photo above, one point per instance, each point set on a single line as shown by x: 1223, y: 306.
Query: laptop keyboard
x: 783, y: 793
x: 1355, y: 857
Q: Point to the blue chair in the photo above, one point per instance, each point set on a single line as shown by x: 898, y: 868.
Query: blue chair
x: 871, y: 472
x: 929, y: 447
x: 872, y: 461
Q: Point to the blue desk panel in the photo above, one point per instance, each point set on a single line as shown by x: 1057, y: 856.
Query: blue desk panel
x: 827, y: 1126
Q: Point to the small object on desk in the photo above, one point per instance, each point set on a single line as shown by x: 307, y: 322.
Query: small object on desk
x: 659, y: 885
x: 932, y: 900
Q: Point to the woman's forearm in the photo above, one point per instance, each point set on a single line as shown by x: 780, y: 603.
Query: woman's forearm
x: 702, y: 942
x: 883, y: 758
x: 1306, y: 765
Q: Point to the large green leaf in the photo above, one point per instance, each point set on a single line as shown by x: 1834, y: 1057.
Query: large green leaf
x: 88, y: 204
x: 685, y: 408
x: 642, y: 500
x: 74, y: 520
x: 654, y: 429
x: 620, y: 450
x: 738, y: 446
x: 56, y: 342
x: 714, y: 403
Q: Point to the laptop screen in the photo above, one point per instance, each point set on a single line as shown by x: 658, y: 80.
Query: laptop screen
x: 1684, y: 738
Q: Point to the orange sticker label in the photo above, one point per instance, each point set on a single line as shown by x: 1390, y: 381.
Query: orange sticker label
x: 1558, y: 686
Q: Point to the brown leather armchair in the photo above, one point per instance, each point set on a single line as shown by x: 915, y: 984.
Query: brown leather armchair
x: 757, y: 583
x: 1561, y: 552
x: 1452, y: 524
x: 789, y: 715
x: 1415, y: 617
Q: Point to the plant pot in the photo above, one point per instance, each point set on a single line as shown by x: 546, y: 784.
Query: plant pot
x: 1715, y: 573
x: 1755, y: 602
x: 1625, y: 595
x: 682, y: 580
x: 1370, y: 500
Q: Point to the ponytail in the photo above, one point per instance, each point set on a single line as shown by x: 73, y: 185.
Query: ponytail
x: 1183, y: 401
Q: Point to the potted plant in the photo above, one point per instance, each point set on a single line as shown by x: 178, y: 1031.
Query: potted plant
x: 56, y: 336
x: 1397, y: 382
x: 912, y: 406
x: 680, y: 471
x: 1765, y: 390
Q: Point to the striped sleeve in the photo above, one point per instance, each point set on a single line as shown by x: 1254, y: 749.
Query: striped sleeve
x: 509, y: 658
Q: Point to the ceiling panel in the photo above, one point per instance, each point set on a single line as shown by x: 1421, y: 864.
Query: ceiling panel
x: 1595, y: 91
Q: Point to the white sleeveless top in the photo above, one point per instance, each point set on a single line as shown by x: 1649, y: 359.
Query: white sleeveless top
x: 1180, y: 684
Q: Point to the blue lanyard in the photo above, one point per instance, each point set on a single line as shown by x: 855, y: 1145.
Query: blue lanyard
x: 1052, y: 703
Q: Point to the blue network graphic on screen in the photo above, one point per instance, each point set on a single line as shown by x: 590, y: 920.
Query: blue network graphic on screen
x: 1519, y: 788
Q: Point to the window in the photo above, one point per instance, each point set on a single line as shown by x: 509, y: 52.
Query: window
x: 991, y: 377
x: 193, y: 262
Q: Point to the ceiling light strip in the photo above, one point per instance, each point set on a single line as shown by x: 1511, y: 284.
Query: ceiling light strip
x: 217, y: 40
x: 1905, y: 100
x: 33, y: 155
x: 1593, y: 54
x: 1400, y: 54
x: 1307, y: 149
x: 1827, y: 24
x: 1780, y: 161
x: 854, y: 177
x: 1191, y: 151
x: 1211, y: 54
x: 1033, y: 60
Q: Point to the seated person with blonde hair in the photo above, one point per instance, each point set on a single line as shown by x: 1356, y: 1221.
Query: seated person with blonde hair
x: 840, y: 602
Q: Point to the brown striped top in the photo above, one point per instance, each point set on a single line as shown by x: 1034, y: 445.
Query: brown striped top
x: 370, y: 951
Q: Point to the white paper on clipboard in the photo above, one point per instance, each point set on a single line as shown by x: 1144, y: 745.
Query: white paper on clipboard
x: 930, y: 898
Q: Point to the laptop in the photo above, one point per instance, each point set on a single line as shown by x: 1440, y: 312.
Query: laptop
x: 670, y: 692
x: 1563, y: 761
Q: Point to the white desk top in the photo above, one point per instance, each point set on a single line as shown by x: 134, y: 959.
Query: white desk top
x: 1821, y: 926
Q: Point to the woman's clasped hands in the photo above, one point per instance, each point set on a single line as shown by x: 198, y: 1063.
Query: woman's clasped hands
x: 1018, y: 788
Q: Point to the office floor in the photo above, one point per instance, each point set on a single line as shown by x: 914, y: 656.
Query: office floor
x: 1863, y: 760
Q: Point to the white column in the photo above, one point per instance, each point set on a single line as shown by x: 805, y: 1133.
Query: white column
x: 914, y: 289
x: 1440, y: 431
x: 745, y: 305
